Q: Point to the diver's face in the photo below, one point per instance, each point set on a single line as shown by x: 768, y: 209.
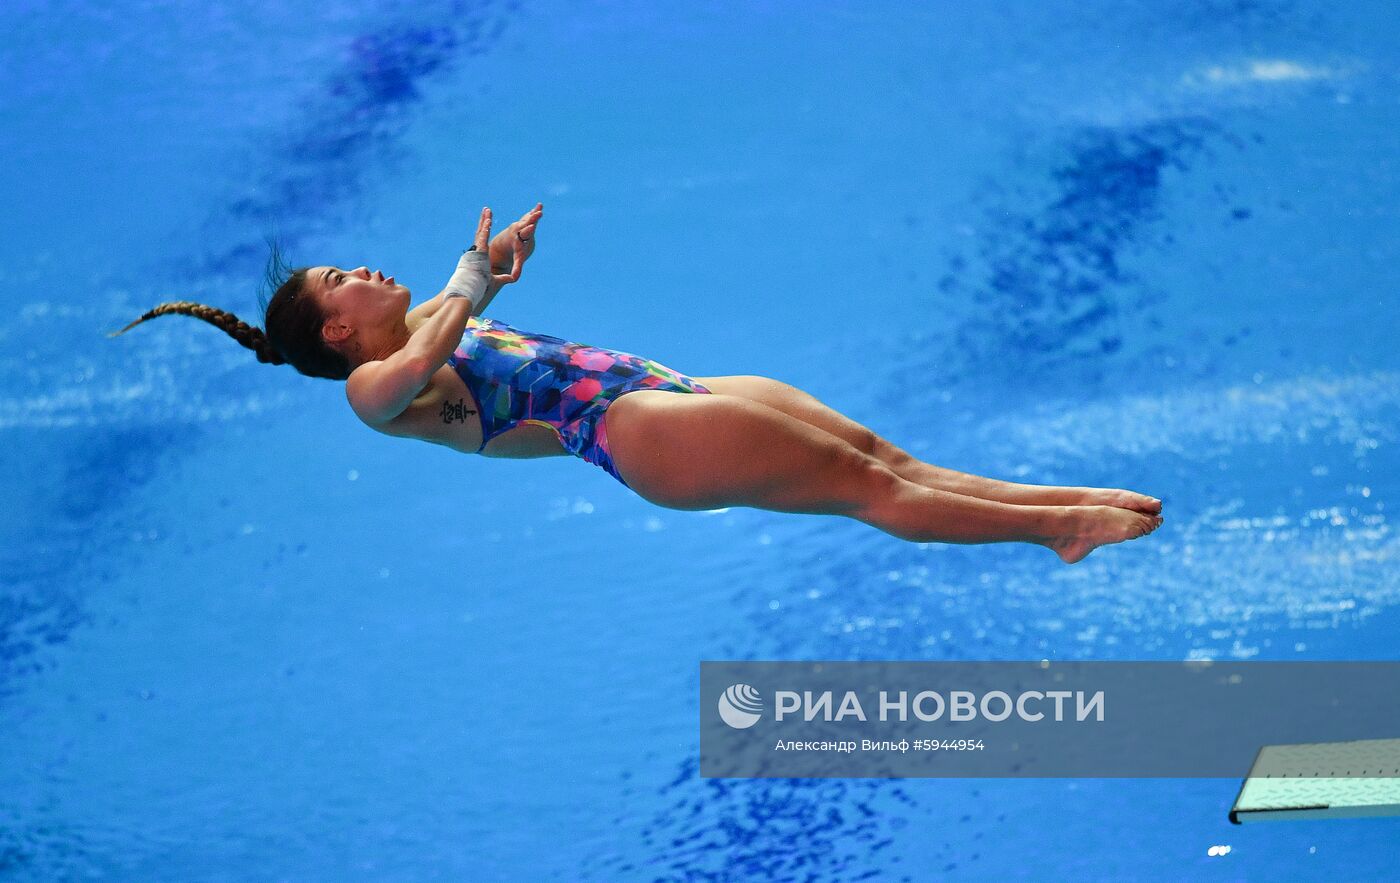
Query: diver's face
x: 358, y: 296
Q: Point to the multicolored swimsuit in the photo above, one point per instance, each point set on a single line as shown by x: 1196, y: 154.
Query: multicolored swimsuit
x: 520, y: 377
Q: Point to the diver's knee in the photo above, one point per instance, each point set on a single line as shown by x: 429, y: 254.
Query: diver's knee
x: 860, y: 480
x: 890, y: 453
x: 867, y: 442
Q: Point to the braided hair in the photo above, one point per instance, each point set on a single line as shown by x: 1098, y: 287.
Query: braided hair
x: 292, y: 318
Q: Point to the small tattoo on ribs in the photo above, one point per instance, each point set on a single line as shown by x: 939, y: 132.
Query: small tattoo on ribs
x: 458, y: 411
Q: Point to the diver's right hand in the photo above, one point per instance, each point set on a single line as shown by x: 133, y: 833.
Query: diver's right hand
x: 516, y: 237
x: 483, y: 245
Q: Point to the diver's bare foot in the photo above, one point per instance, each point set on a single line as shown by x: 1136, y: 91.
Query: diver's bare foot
x: 1103, y: 496
x: 1089, y: 527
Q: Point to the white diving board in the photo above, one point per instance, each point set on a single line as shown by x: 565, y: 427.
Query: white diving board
x: 1321, y: 780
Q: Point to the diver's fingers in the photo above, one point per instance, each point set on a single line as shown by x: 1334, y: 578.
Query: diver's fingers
x: 514, y: 274
x: 483, y: 229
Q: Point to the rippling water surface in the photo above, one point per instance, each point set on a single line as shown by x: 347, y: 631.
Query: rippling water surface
x: 1148, y: 245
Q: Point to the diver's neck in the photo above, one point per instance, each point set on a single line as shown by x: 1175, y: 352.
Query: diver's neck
x: 392, y: 344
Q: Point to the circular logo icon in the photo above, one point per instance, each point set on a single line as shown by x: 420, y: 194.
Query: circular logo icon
x: 740, y: 706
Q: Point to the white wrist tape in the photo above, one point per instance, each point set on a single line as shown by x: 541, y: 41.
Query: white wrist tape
x: 472, y: 276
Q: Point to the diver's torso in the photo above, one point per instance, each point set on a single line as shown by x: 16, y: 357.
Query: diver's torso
x: 446, y: 413
x: 537, y: 382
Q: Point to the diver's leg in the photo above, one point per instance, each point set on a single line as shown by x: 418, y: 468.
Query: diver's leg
x: 806, y: 407
x: 689, y: 451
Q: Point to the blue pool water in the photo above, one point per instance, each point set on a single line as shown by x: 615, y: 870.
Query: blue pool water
x: 1150, y: 245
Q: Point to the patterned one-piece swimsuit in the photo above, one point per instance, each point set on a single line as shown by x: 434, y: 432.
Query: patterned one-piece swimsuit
x: 521, y: 377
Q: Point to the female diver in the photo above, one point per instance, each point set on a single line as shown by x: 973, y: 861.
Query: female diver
x: 442, y: 373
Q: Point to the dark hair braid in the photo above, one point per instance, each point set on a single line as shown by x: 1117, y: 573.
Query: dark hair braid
x: 292, y: 319
x: 253, y: 338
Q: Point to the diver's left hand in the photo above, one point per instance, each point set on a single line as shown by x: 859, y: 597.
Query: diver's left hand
x: 519, y: 236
